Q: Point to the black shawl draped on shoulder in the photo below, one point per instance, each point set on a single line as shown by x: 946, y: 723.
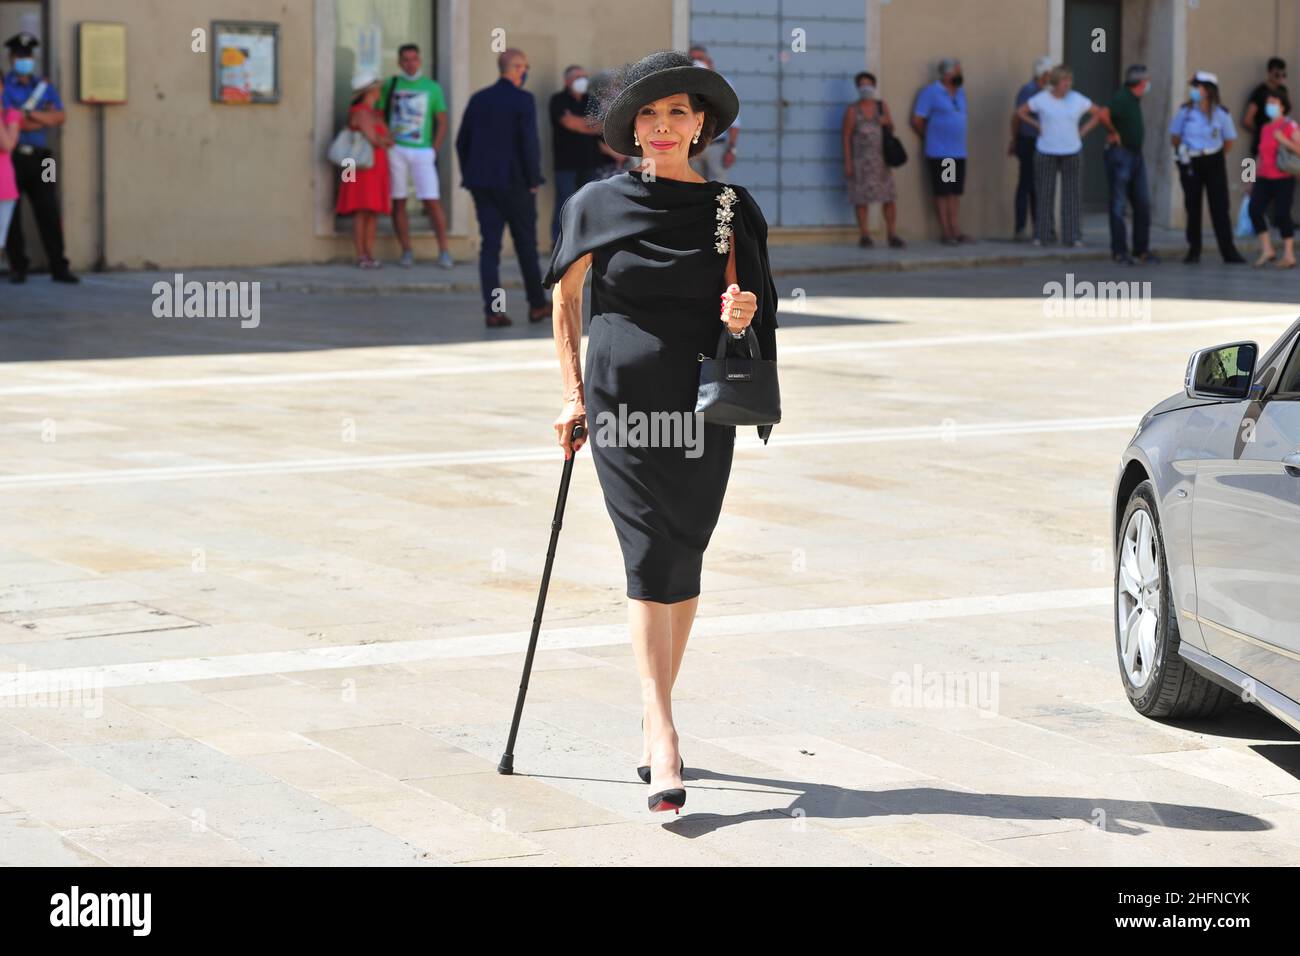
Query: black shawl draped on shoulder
x: 625, y: 205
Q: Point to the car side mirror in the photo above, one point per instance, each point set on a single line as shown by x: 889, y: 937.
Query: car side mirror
x: 1223, y: 372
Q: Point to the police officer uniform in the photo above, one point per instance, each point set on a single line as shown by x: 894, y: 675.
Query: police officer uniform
x: 1202, y: 169
x: 25, y: 91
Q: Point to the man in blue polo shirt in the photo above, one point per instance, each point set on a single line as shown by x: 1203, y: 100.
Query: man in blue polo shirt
x: 37, y: 99
x: 939, y: 118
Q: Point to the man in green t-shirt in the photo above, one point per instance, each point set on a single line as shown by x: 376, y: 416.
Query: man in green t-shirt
x: 1126, y: 170
x: 410, y: 103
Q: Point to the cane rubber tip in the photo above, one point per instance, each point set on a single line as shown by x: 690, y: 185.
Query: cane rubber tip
x: 506, y: 766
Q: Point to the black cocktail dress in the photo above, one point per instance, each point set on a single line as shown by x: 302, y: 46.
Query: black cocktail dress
x: 657, y: 277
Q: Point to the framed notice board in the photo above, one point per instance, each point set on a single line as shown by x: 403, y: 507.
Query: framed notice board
x: 101, y: 62
x: 245, y: 62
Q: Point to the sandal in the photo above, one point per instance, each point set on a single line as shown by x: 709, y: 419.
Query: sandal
x: 896, y: 243
x: 1285, y: 264
x: 1263, y: 260
x: 865, y: 242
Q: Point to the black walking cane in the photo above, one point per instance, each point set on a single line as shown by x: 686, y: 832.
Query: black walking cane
x: 507, y: 764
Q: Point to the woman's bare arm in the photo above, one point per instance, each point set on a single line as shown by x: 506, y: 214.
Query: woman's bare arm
x: 846, y: 138
x: 566, y: 318
x: 8, y: 136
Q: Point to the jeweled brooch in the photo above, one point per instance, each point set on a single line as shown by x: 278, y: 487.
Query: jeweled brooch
x: 724, y: 232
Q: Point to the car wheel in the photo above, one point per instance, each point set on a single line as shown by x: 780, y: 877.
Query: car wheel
x: 1158, y: 681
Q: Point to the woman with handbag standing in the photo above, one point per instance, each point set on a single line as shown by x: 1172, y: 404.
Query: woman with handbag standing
x: 1279, y: 140
x: 671, y: 256
x: 364, y: 193
x: 870, y: 180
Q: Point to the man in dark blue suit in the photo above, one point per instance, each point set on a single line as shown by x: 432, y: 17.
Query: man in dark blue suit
x: 500, y: 165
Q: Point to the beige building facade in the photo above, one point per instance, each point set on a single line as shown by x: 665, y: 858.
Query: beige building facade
x: 179, y: 180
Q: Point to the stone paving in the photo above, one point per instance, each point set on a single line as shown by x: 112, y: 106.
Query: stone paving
x: 290, y: 570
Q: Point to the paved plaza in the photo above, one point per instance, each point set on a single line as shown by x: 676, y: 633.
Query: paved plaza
x: 290, y: 570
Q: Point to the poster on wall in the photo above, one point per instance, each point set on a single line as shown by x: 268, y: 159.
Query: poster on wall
x: 101, y: 62
x: 245, y: 62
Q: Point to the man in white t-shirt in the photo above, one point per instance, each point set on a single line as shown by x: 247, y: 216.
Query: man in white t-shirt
x: 1055, y: 111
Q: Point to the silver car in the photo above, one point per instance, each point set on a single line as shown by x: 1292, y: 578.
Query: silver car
x: 1207, y: 539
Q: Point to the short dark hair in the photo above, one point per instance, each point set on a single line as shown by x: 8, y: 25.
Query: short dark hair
x: 864, y: 75
x: 407, y: 46
x: 1276, y: 63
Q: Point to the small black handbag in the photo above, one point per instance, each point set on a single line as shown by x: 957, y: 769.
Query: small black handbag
x: 892, y: 147
x: 738, y: 389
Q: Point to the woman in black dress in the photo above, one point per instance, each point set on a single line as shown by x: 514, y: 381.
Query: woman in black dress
x: 672, y: 256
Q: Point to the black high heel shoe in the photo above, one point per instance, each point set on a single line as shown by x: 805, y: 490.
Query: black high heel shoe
x: 644, y: 772
x: 673, y: 799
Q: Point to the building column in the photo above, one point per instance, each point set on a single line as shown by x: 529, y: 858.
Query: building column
x: 454, y: 60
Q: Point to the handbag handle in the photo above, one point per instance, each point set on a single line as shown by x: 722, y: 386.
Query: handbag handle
x: 750, y: 340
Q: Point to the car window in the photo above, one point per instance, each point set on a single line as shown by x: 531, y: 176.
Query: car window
x: 1290, y: 382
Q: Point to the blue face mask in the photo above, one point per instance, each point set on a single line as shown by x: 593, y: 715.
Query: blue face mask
x: 1195, y: 94
x: 1273, y: 110
x: 25, y: 65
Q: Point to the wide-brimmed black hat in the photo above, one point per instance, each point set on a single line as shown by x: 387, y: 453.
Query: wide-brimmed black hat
x: 654, y: 77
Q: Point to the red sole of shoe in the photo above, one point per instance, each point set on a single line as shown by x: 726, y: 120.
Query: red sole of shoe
x: 665, y: 805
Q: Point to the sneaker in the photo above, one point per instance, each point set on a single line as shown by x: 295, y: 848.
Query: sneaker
x: 407, y: 260
x: 445, y: 260
x: 1149, y: 258
x: 1037, y: 241
x: 65, y: 276
x: 1077, y: 244
x: 1124, y: 259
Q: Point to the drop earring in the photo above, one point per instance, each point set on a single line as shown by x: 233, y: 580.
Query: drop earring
x: 635, y: 141
x: 697, y: 137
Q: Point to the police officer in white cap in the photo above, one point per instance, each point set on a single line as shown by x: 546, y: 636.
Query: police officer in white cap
x: 37, y: 99
x: 1202, y: 132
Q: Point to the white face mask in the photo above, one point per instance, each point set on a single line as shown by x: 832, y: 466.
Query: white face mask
x: 411, y: 76
x: 580, y: 85
x: 701, y: 63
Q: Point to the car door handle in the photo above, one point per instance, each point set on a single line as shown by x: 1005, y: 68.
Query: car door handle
x: 1292, y: 464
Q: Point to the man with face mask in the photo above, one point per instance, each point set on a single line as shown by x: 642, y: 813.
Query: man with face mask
x: 412, y: 104
x: 715, y: 161
x: 575, y: 143
x: 939, y: 118
x: 38, y: 101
